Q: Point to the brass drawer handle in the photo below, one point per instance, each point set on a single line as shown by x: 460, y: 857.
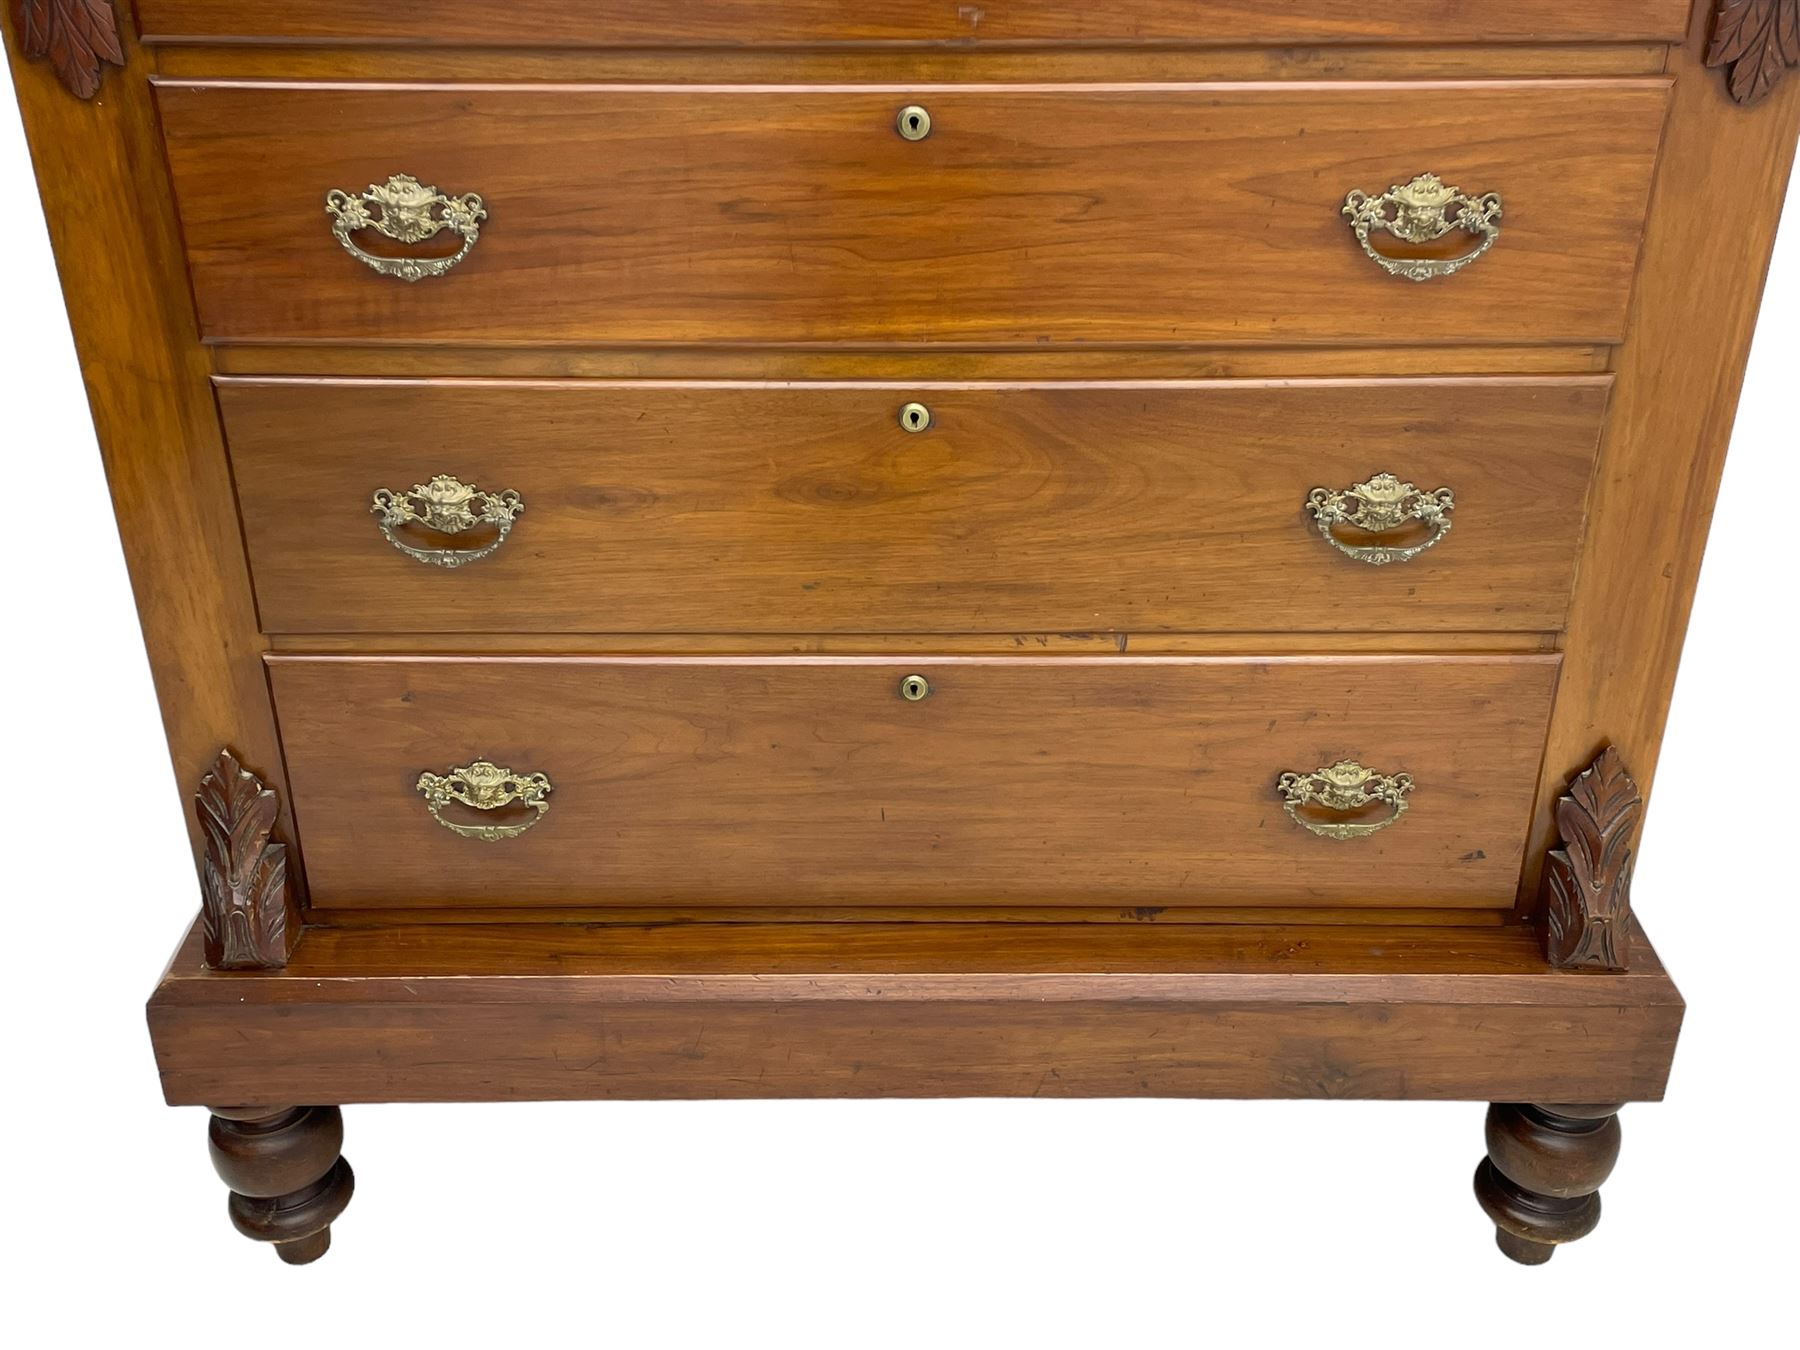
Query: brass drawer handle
x: 449, y: 506
x: 1380, y: 506
x: 1345, y: 786
x: 408, y: 212
x: 1423, y: 212
x: 485, y: 786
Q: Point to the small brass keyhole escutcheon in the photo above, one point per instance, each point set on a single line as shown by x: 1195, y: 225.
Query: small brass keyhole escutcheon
x: 915, y: 417
x: 915, y: 687
x: 913, y: 122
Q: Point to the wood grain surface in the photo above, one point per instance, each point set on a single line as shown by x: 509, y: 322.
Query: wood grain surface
x: 608, y: 23
x: 672, y: 507
x: 930, y: 364
x: 559, y: 1012
x: 118, y: 255
x: 1670, y: 424
x: 897, y: 63
x: 791, y: 216
x: 1137, y: 781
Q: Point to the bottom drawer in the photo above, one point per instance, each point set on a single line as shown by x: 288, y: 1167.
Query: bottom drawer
x: 784, y: 781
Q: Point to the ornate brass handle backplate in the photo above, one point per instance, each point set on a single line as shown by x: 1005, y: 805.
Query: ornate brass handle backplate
x: 1380, y: 506
x: 1345, y: 786
x: 1422, y: 212
x: 449, y: 506
x: 408, y: 212
x: 485, y: 786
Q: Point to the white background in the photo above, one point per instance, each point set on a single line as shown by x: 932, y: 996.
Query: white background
x: 857, y: 1224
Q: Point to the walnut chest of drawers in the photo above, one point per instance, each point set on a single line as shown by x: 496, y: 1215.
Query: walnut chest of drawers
x: 788, y: 548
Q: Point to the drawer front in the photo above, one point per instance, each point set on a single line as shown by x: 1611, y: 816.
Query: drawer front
x: 1150, y: 781
x: 1157, y: 214
x: 733, y: 23
x: 723, y: 508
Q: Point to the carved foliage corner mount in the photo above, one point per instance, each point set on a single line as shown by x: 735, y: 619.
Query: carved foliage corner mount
x: 248, y: 915
x: 1759, y: 40
x: 1587, y: 882
x: 77, y: 37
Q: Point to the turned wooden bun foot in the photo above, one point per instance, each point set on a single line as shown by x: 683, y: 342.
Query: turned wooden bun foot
x: 288, y: 1179
x: 1541, y: 1180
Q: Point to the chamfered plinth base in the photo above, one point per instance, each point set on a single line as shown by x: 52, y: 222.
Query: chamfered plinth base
x: 593, y: 1012
x: 288, y: 1179
x: 597, y: 1011
x: 1540, y: 1182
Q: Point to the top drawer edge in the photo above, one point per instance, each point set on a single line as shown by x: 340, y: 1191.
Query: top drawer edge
x: 623, y: 24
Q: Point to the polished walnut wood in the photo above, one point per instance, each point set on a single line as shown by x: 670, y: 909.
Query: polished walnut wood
x: 601, y: 23
x: 79, y: 38
x: 798, y: 216
x: 106, y: 204
x: 247, y: 909
x: 285, y: 361
x: 1118, y: 274
x: 1678, y: 380
x: 894, y: 644
x: 1587, y: 882
x: 685, y: 508
x: 1540, y: 1182
x: 566, y: 1012
x: 891, y: 64
x: 1759, y: 41
x: 287, y: 1175
x: 1045, y: 781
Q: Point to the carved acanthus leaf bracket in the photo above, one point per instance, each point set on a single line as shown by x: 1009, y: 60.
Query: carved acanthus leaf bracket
x: 248, y: 916
x: 1587, y: 882
x: 78, y: 37
x: 1759, y: 40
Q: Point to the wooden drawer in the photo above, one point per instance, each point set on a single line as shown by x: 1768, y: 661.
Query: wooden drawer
x: 658, y: 23
x: 1128, y: 781
x: 750, y: 508
x: 1165, y: 214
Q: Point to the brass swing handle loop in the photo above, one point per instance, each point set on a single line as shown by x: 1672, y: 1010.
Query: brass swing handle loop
x: 485, y: 786
x: 1345, y: 786
x: 1422, y: 212
x: 449, y: 506
x: 1379, y: 506
x: 409, y: 212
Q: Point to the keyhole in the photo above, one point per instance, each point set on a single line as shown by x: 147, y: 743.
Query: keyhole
x: 914, y: 687
x: 915, y: 417
x: 914, y: 123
